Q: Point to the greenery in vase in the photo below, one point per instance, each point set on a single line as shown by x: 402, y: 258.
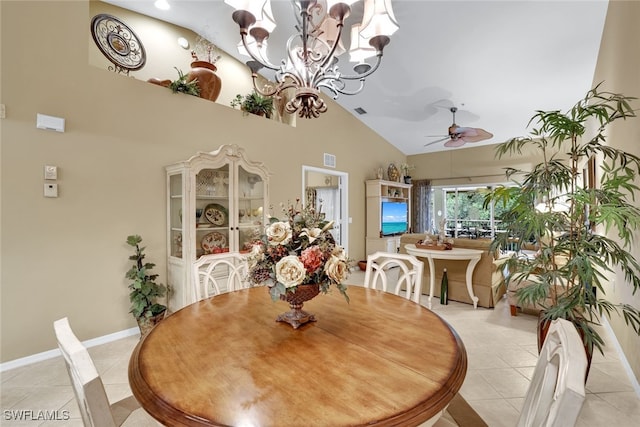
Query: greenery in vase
x: 552, y: 206
x: 185, y: 86
x: 254, y: 103
x: 144, y: 289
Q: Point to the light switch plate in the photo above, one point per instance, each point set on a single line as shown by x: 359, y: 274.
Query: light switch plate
x: 50, y: 190
x: 50, y: 172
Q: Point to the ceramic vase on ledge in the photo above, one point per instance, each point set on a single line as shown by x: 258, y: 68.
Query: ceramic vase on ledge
x: 208, y: 81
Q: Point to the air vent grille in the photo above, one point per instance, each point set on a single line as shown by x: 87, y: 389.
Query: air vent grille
x: 329, y: 160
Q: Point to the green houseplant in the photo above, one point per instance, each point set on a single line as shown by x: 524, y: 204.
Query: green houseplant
x: 582, y: 230
x: 254, y: 103
x: 183, y: 85
x: 144, y: 289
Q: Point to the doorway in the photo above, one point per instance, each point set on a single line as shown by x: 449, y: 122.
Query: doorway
x: 327, y: 190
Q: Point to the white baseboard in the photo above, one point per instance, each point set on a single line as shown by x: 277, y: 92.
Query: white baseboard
x: 623, y: 359
x: 39, y: 357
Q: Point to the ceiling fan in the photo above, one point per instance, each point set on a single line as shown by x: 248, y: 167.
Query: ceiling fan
x: 458, y: 136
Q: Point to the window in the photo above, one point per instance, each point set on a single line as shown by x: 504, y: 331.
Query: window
x: 464, y: 212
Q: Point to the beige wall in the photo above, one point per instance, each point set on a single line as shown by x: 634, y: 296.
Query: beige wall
x: 67, y: 256
x: 469, y: 166
x: 619, y: 68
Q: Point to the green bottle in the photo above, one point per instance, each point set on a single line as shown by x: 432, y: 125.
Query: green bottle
x: 444, y: 289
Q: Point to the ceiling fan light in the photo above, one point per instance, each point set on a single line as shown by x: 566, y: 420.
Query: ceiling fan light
x: 378, y: 19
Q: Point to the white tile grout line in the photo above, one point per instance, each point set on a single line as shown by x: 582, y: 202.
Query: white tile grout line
x: 50, y: 354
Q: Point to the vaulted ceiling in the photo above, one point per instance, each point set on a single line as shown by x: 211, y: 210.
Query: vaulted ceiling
x: 496, y: 61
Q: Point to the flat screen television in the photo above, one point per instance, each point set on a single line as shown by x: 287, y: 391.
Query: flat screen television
x: 394, y: 218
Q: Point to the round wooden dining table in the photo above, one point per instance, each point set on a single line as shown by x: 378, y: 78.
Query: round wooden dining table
x: 379, y: 360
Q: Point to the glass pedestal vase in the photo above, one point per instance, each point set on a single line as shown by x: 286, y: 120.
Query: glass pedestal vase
x: 297, y: 316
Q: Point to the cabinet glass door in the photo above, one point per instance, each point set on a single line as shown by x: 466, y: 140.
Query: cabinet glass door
x: 250, y: 212
x: 212, y: 211
x: 175, y: 214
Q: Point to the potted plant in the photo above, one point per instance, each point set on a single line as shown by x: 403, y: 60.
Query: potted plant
x: 405, y: 169
x: 144, y: 289
x: 184, y: 85
x: 254, y: 103
x: 570, y: 219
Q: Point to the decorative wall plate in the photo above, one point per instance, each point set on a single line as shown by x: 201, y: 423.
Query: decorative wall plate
x: 216, y: 214
x: 118, y: 43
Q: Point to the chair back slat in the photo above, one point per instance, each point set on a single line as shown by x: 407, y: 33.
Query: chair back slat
x: 87, y: 385
x: 214, y: 274
x: 406, y: 270
x: 556, y: 392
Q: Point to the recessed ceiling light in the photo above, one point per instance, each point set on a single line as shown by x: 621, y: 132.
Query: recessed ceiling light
x: 162, y: 4
x: 183, y: 43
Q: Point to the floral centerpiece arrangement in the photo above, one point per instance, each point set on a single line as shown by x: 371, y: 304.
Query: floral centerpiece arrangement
x: 297, y: 258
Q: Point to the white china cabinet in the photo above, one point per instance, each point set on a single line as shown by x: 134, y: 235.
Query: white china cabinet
x: 217, y: 203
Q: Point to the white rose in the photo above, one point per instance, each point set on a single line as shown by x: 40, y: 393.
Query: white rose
x: 279, y: 233
x: 255, y: 256
x: 338, y: 252
x: 336, y: 269
x: 290, y: 271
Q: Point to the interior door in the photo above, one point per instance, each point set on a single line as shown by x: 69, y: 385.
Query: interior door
x: 326, y: 190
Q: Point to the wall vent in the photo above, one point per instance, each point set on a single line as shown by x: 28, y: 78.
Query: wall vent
x: 329, y: 160
x: 360, y: 110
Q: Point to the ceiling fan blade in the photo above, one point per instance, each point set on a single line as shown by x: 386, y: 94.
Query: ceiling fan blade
x: 476, y: 136
x: 454, y: 143
x: 465, y: 131
x: 436, y: 141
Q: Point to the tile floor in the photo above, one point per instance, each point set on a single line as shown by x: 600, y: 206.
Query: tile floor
x: 501, y: 351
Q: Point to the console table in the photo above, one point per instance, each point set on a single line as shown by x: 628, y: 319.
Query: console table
x: 472, y: 255
x: 380, y: 360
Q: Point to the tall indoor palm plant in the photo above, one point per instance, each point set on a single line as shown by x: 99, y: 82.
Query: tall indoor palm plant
x: 569, y: 218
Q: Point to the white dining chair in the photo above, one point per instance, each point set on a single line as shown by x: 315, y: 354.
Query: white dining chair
x: 397, y: 271
x: 87, y: 385
x: 214, y: 274
x: 556, y: 392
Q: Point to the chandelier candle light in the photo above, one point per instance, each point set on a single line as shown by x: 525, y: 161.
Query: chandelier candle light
x: 312, y: 53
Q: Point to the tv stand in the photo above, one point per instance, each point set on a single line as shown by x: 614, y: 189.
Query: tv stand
x: 377, y: 191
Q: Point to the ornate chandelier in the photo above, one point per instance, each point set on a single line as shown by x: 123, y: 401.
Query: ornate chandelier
x: 312, y: 53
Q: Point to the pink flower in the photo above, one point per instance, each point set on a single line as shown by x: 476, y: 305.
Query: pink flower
x: 312, y: 258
